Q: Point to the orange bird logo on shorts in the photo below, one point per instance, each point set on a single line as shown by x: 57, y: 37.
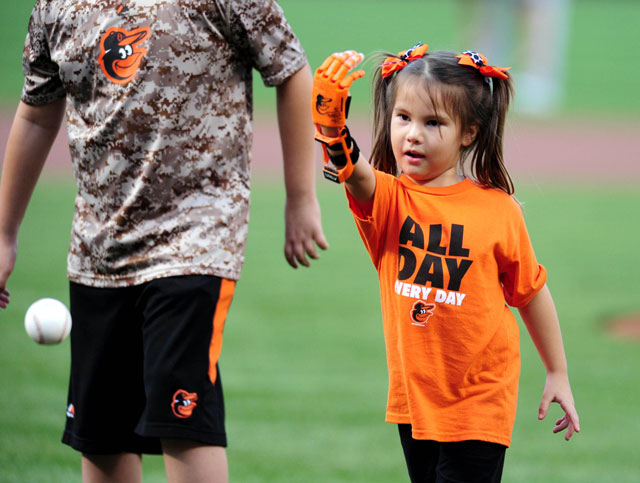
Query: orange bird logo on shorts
x: 121, y: 56
x: 184, y: 403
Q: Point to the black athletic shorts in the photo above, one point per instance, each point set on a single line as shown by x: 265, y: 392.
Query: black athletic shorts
x: 460, y: 461
x: 144, y: 364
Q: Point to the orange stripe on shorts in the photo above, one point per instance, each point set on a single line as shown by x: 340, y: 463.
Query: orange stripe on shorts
x: 222, y: 309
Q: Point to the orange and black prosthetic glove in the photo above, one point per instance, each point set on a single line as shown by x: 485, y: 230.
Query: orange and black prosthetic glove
x: 342, y: 151
x: 330, y: 107
x: 331, y: 88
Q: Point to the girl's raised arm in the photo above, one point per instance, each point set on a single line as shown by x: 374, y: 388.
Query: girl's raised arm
x: 329, y: 106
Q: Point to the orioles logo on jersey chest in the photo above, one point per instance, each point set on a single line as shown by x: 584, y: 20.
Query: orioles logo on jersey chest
x: 121, y: 53
x: 421, y: 312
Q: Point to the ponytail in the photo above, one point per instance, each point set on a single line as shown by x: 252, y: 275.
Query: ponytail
x: 384, y: 93
x: 487, y: 160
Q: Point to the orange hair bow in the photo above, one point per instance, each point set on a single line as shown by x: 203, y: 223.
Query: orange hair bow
x: 479, y: 61
x: 394, y: 64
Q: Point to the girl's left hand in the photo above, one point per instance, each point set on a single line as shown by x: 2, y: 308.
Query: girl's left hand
x: 557, y: 389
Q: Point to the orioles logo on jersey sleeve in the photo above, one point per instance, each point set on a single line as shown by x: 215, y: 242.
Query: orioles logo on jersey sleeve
x: 421, y: 312
x: 121, y: 55
x: 184, y: 403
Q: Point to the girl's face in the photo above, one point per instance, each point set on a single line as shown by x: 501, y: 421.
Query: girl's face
x: 426, y: 146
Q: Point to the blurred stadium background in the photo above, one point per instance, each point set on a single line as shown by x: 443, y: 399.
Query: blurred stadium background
x: 303, y: 361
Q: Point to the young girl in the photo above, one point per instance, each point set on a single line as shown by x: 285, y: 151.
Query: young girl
x: 451, y: 251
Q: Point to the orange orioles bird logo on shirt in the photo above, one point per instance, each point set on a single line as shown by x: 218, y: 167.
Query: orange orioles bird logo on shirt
x: 184, y: 403
x: 421, y: 312
x: 121, y: 56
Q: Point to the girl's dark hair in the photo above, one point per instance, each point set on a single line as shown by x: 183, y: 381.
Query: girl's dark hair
x: 467, y: 96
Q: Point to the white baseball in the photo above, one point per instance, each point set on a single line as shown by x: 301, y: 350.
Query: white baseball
x: 47, y: 321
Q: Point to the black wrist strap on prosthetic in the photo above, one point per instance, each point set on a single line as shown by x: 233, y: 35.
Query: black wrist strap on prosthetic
x: 342, y: 151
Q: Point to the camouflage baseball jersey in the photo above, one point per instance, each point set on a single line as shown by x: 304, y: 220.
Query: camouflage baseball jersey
x: 158, y: 96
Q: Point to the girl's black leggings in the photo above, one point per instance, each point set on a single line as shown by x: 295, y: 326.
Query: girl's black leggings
x: 461, y: 461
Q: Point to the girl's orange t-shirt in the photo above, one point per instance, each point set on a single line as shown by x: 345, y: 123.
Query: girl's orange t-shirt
x: 449, y: 260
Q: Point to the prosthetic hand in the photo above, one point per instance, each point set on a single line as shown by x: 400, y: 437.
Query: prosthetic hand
x: 330, y: 107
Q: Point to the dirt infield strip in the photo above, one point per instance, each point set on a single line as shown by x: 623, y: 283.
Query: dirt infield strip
x: 534, y: 151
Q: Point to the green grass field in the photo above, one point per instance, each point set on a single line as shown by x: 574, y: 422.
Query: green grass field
x: 304, y: 367
x: 601, y: 71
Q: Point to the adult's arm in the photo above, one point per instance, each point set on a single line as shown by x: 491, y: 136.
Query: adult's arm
x: 32, y: 133
x: 303, y: 225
